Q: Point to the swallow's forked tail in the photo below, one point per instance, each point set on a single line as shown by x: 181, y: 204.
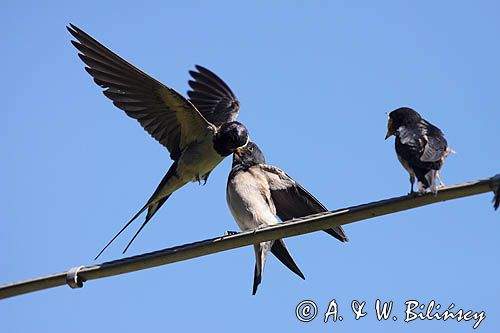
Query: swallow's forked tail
x: 280, y: 251
x: 121, y: 230
x: 152, y: 205
x: 153, y: 208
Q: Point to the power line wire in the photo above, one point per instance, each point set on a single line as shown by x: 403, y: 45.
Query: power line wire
x: 77, y: 276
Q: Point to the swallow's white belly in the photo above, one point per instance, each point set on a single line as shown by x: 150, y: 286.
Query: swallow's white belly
x: 246, y: 198
x: 197, y: 160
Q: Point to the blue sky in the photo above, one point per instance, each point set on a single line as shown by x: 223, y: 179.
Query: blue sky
x: 314, y: 80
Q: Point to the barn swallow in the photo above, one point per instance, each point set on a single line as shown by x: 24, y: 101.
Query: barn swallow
x: 198, y: 133
x: 420, y: 146
x: 256, y: 192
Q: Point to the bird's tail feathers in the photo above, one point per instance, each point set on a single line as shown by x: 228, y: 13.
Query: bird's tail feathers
x: 338, y: 233
x: 261, y: 251
x: 153, y: 204
x: 151, y: 211
x: 122, y: 230
x: 281, y: 252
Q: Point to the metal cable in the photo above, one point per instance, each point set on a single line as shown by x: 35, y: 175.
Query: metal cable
x: 75, y: 277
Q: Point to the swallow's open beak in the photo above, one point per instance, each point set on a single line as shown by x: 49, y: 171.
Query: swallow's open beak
x: 239, y: 151
x: 390, y: 131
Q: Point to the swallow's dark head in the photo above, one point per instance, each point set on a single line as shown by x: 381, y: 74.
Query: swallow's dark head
x: 248, y: 155
x: 229, y: 137
x: 401, y: 117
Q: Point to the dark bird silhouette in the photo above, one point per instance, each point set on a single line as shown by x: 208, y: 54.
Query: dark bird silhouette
x: 420, y: 146
x: 496, y: 198
x: 198, y: 133
x: 256, y: 192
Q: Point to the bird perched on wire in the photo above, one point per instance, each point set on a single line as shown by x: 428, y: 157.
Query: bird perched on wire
x: 256, y: 192
x: 420, y: 146
x: 199, y: 133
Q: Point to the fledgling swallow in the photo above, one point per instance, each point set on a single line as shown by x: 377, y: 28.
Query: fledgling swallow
x: 256, y: 192
x: 420, y: 146
x: 199, y: 133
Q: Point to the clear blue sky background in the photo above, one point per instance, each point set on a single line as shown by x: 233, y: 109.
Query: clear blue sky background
x: 314, y: 81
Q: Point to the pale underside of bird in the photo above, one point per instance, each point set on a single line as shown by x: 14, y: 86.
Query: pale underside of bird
x: 252, y: 207
x: 198, y: 132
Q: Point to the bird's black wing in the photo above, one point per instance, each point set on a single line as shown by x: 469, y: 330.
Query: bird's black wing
x: 293, y: 201
x: 162, y: 112
x: 421, y: 144
x: 212, y: 97
x: 413, y: 140
x: 410, y: 145
x: 435, y: 144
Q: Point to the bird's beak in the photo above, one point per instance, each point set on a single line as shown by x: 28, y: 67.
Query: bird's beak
x: 390, y: 131
x: 239, y: 150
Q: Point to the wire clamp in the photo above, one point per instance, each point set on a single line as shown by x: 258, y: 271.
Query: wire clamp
x: 72, y: 278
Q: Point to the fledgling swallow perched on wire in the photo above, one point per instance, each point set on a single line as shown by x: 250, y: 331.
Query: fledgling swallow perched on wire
x: 420, y: 146
x: 256, y: 192
x: 199, y: 133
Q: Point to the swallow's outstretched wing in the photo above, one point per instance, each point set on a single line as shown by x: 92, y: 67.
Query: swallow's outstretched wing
x: 212, y: 97
x: 293, y: 201
x: 165, y: 114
